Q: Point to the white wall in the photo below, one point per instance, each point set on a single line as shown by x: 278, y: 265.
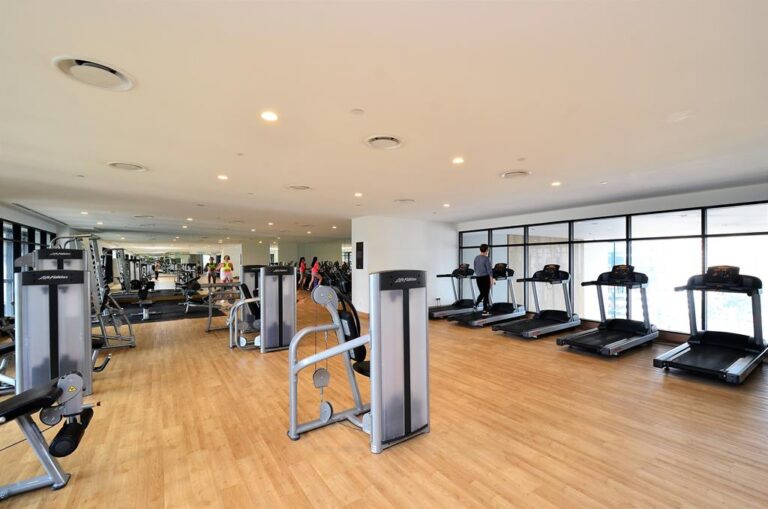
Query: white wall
x: 287, y: 251
x: 678, y: 201
x: 329, y: 251
x: 16, y: 215
x: 255, y: 253
x: 396, y: 243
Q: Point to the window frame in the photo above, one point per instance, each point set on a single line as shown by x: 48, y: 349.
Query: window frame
x: 627, y: 239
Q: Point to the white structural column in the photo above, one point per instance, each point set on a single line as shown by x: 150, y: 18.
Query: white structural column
x: 396, y: 243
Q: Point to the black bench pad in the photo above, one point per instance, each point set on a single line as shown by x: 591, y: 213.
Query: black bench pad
x: 31, y: 400
x: 6, y: 349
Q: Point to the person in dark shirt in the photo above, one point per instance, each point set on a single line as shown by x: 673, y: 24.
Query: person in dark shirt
x: 484, y: 278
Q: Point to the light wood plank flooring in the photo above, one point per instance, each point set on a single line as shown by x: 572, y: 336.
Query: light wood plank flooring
x: 185, y: 422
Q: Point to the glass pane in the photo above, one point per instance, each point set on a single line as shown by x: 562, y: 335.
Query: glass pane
x: 668, y: 263
x: 600, y: 229
x: 741, y: 219
x: 513, y: 257
x: 37, y: 236
x: 548, y: 233
x: 732, y: 312
x: 589, y: 261
x: 7, y: 276
x: 507, y: 236
x: 667, y: 224
x: 550, y: 296
x: 467, y: 286
x: 474, y: 238
x: 7, y: 231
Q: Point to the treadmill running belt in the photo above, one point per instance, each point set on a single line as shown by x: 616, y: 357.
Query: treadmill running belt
x: 709, y: 357
x: 600, y: 338
x: 525, y: 325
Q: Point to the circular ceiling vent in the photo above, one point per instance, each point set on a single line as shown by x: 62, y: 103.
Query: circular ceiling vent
x: 93, y: 73
x: 133, y: 167
x: 514, y: 173
x: 384, y: 142
x: 299, y: 188
x: 405, y: 200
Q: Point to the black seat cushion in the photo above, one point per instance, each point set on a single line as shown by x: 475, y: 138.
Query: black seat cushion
x: 97, y: 343
x: 7, y: 348
x: 31, y: 400
x: 363, y: 367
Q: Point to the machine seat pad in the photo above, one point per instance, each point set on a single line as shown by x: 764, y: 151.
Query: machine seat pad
x: 31, y: 400
x: 98, y: 343
x: 363, y: 367
x: 7, y: 348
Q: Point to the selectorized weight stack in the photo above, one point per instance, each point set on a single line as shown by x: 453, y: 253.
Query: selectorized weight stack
x: 277, y: 294
x: 53, y: 327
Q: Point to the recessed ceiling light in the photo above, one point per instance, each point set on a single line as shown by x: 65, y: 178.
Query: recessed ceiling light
x: 556, y: 184
x: 270, y: 224
x: 190, y: 219
x: 309, y: 233
x: 299, y: 188
x: 260, y: 242
x: 253, y: 229
x: 122, y: 238
x: 384, y: 142
x: 513, y: 174
x: 85, y: 213
x: 446, y: 205
x: 358, y: 195
x: 132, y: 167
x: 603, y: 183
x: 176, y: 237
x: 222, y: 177
x: 184, y: 226
x: 458, y: 160
x: 334, y: 227
x: 227, y: 238
x: 99, y: 222
x: 269, y: 116
x: 93, y: 73
x: 278, y: 238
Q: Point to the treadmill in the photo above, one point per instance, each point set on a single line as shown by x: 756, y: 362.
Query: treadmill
x: 459, y: 306
x: 614, y: 336
x: 499, y: 311
x: 547, y: 320
x: 726, y: 355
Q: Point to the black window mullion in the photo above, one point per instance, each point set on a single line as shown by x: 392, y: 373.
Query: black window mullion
x: 629, y: 261
x: 703, y: 266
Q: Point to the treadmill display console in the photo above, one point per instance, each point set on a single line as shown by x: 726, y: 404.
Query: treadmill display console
x: 552, y: 270
x: 722, y: 275
x: 622, y: 272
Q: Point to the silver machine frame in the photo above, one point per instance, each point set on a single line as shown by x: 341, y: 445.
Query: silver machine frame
x: 277, y: 300
x: 399, y: 365
x: 53, y: 327
x: 112, y: 316
x: 500, y: 317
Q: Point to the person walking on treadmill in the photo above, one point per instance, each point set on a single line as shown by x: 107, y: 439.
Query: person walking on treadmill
x: 484, y: 278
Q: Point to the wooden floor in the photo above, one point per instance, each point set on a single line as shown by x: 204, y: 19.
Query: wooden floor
x: 185, y: 422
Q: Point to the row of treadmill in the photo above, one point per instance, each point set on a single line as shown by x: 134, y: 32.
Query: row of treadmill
x: 725, y: 355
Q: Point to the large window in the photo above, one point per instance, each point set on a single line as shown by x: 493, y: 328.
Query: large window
x: 17, y: 240
x: 668, y: 246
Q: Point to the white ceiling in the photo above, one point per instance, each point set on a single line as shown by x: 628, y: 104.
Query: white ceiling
x: 652, y: 97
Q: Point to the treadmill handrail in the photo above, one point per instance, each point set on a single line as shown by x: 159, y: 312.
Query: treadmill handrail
x: 536, y: 280
x: 721, y: 289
